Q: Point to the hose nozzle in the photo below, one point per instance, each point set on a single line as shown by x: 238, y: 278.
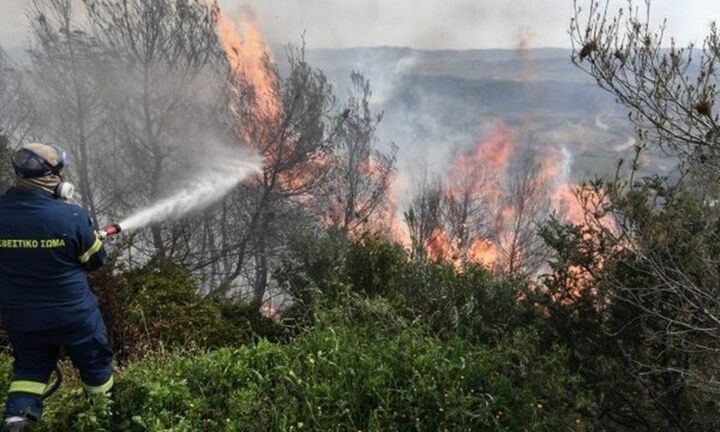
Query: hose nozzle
x: 110, y: 231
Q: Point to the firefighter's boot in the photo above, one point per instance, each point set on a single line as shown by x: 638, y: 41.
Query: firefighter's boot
x: 16, y: 424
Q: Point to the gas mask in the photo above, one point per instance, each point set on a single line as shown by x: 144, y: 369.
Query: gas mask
x: 64, y: 191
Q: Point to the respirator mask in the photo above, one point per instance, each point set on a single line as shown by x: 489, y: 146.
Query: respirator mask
x: 29, y: 165
x: 64, y: 191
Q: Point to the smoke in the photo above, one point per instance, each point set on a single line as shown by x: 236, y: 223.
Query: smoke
x: 566, y: 165
x: 385, y: 76
x: 600, y: 123
x: 221, y: 175
x: 451, y: 24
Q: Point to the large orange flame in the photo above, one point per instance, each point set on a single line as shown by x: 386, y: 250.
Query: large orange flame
x: 475, y: 177
x: 248, y: 57
x: 483, y: 252
x: 480, y: 177
x: 477, y: 171
x: 258, y: 108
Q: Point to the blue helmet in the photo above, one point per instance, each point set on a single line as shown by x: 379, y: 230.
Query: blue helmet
x: 30, y: 162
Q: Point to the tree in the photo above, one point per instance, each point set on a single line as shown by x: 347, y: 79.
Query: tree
x: 68, y: 74
x: 636, y: 300
x: 17, y: 113
x: 17, y: 116
x: 293, y: 127
x: 652, y: 273
x: 162, y: 51
x: 6, y: 177
x: 488, y: 211
x: 671, y: 92
x: 362, y: 174
x: 424, y: 215
x: 526, y: 203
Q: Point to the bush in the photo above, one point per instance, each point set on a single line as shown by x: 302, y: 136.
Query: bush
x: 384, y: 343
x: 341, y: 376
x: 158, y: 305
x: 472, y: 303
x: 641, y: 325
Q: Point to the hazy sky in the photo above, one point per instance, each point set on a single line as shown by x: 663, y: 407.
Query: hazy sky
x: 417, y: 23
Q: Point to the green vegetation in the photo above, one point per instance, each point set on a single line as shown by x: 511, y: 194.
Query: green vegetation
x: 341, y: 375
x: 642, y: 327
x: 375, y: 342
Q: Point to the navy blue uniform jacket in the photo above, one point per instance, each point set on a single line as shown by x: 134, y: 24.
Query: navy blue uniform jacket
x: 46, y: 247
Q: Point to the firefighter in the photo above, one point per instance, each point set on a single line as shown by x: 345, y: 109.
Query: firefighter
x: 47, y: 245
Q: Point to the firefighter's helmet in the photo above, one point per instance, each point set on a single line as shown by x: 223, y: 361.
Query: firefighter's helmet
x: 39, y: 160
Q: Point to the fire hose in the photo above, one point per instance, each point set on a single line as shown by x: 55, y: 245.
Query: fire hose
x: 52, y: 388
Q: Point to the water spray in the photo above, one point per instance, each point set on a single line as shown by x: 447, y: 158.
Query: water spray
x: 221, y: 177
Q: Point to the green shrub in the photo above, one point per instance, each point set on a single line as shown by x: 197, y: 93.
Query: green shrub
x: 340, y: 376
x: 637, y: 328
x: 385, y: 343
x: 163, y: 300
x: 158, y: 305
x: 472, y: 302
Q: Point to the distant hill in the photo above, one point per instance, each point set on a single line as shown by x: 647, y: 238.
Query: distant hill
x: 441, y: 102
x: 536, y: 64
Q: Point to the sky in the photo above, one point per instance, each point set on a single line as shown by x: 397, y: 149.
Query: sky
x: 427, y: 24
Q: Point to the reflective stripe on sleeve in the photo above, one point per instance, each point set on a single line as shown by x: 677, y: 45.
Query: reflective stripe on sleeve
x: 32, y: 387
x: 92, y: 251
x: 102, y: 388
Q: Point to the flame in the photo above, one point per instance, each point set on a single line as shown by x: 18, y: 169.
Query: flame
x: 566, y: 204
x: 483, y: 252
x: 385, y: 219
x: 470, y: 172
x: 258, y: 110
x: 439, y: 245
x: 475, y: 178
x: 394, y: 225
x: 555, y: 171
x: 478, y: 176
x: 478, y: 181
x: 248, y: 57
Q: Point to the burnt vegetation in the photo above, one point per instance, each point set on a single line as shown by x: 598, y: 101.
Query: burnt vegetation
x: 298, y: 302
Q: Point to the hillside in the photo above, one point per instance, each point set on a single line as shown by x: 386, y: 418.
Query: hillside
x: 444, y: 102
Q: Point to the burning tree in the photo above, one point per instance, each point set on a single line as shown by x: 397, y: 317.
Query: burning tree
x: 488, y: 209
x: 289, y: 122
x: 527, y: 204
x: 424, y: 215
x: 295, y: 166
x: 361, y: 174
x: 470, y: 202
